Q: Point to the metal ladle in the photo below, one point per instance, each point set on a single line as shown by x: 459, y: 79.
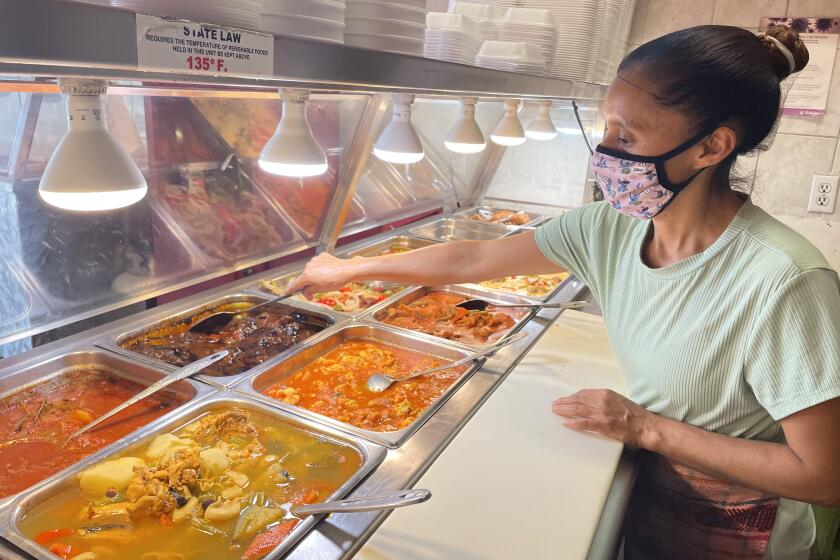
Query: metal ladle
x: 215, y: 323
x: 389, y: 500
x: 481, y: 305
x: 177, y: 375
x: 378, y: 382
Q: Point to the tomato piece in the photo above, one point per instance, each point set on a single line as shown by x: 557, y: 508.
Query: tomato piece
x: 268, y: 540
x: 62, y: 550
x: 45, y: 537
x: 327, y: 301
x: 345, y: 289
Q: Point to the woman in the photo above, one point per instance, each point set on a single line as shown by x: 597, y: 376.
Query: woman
x: 725, y: 322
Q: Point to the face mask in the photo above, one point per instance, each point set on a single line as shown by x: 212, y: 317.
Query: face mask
x: 638, y: 186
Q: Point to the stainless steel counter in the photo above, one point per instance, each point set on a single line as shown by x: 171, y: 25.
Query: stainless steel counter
x: 341, y: 535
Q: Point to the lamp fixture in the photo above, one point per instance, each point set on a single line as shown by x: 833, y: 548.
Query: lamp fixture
x: 542, y: 128
x: 89, y: 170
x: 509, y: 130
x: 399, y: 142
x: 293, y: 151
x: 466, y: 137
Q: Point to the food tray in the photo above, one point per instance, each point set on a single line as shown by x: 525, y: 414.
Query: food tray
x: 267, y: 376
x: 13, y: 512
x: 536, y: 299
x: 189, y: 316
x: 14, y: 380
x: 465, y: 215
x: 469, y: 292
x: 450, y: 229
x: 398, y: 242
x: 300, y: 298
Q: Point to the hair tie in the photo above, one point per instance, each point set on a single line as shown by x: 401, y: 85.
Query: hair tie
x: 782, y: 49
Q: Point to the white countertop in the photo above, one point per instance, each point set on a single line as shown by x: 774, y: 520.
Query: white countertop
x: 515, y: 483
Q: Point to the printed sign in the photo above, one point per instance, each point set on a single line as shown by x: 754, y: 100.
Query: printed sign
x: 808, y: 92
x: 202, y: 48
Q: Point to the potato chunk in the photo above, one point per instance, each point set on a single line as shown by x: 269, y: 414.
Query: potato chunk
x: 164, y: 444
x: 214, y: 461
x: 222, y: 511
x: 116, y: 473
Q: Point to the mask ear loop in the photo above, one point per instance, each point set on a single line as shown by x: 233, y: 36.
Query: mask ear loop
x: 582, y: 130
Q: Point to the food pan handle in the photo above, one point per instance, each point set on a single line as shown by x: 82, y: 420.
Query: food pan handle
x: 389, y: 500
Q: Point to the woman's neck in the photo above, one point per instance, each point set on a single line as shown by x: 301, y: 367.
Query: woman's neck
x: 691, y: 223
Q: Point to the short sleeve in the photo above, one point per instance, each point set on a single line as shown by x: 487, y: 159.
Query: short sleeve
x: 567, y: 241
x: 793, y: 361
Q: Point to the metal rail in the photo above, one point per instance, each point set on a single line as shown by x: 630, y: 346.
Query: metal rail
x: 54, y: 38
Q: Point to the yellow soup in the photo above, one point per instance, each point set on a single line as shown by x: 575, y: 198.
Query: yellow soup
x: 219, y: 488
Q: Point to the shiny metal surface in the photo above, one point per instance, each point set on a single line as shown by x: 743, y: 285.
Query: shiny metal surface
x: 469, y: 292
x: 12, y: 513
x: 264, y: 377
x: 387, y: 501
x: 95, y: 41
x: 534, y: 218
x: 340, y: 535
x: 449, y: 229
x: 378, y: 382
x: 260, y: 287
x: 166, y: 381
x: 482, y: 304
x: 352, y: 170
x: 381, y: 247
x: 185, y: 314
x: 14, y: 379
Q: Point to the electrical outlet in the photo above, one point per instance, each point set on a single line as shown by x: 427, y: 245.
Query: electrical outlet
x: 823, y: 194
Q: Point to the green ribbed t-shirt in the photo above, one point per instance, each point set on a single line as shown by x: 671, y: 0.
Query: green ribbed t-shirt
x: 730, y: 340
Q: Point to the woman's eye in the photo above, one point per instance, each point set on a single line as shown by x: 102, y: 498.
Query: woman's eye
x: 623, y: 141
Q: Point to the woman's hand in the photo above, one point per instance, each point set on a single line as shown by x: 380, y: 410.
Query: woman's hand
x: 607, y: 413
x: 324, y: 273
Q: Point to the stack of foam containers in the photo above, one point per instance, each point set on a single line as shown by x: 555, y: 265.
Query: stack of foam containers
x: 533, y: 26
x: 451, y: 37
x: 512, y: 57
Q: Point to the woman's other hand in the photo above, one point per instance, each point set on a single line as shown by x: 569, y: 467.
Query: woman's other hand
x: 607, y: 413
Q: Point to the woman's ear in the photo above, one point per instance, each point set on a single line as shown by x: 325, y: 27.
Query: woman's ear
x: 717, y: 147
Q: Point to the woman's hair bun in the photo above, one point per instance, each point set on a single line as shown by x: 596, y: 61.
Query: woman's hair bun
x: 789, y: 38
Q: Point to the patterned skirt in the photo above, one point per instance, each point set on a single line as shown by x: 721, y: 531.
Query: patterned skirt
x: 679, y: 513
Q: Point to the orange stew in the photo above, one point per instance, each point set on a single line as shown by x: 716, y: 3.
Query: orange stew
x: 335, y: 385
x: 436, y: 314
x: 35, y: 422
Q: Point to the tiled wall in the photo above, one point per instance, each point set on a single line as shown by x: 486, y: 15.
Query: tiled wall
x: 780, y: 177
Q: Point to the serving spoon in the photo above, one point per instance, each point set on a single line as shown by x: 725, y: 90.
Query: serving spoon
x: 378, y: 382
x: 481, y: 305
x: 389, y: 500
x: 216, y: 323
x: 177, y: 375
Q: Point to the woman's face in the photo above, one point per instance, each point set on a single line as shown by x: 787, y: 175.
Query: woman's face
x: 637, y: 125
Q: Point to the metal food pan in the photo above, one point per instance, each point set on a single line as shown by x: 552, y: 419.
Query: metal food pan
x: 299, y: 298
x: 266, y: 377
x: 450, y: 229
x: 12, y: 513
x: 465, y: 215
x: 469, y: 292
x: 537, y: 299
x: 398, y: 242
x: 192, y: 315
x: 13, y: 381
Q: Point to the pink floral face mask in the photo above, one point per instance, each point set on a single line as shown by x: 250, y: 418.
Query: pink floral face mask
x: 636, y: 185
